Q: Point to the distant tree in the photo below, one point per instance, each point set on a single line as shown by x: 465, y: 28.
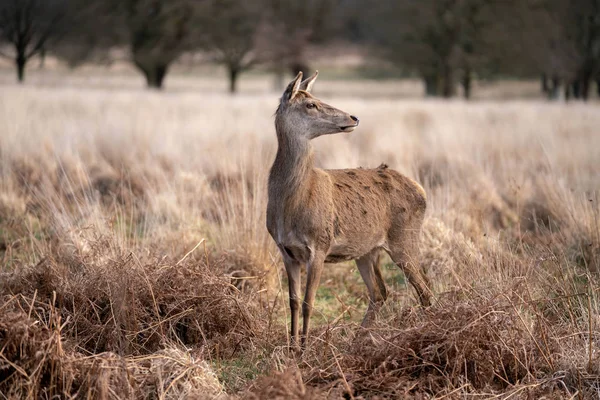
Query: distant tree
x: 441, y: 40
x: 158, y: 33
x: 560, y: 40
x: 583, y: 29
x: 228, y: 30
x: 547, y: 46
x: 476, y: 46
x: 29, y: 27
x: 292, y: 25
x: 94, y: 28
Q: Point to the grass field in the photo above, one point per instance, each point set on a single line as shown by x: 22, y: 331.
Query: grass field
x: 136, y: 262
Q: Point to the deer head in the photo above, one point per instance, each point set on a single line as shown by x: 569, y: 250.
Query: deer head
x: 302, y: 114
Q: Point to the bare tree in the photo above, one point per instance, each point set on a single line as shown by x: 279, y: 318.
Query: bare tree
x: 228, y: 30
x: 30, y: 27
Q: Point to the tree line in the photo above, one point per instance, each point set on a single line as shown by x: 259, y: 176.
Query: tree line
x: 446, y: 43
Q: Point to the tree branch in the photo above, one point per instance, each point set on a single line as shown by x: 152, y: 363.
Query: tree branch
x: 43, y: 38
x: 4, y: 55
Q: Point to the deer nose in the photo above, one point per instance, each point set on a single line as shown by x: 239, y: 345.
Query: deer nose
x: 354, y: 119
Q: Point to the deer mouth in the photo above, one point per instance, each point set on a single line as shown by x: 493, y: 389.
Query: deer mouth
x: 348, y: 128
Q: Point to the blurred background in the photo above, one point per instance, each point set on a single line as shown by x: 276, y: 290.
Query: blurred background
x: 442, y: 48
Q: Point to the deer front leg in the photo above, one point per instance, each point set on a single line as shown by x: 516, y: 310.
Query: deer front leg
x: 313, y: 277
x: 292, y: 268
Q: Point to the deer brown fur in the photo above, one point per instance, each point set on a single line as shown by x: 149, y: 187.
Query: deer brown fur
x: 321, y: 216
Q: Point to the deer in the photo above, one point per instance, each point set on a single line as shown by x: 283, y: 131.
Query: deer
x: 317, y: 216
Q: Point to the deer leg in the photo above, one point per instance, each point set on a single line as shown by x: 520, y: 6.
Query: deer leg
x: 293, y: 273
x: 415, y: 276
x: 379, y: 277
x: 313, y: 277
x: 368, y: 266
x: 405, y: 255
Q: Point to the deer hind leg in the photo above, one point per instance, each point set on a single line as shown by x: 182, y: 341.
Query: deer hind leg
x: 379, y: 277
x: 293, y: 272
x: 368, y: 266
x: 404, y: 251
x: 313, y: 277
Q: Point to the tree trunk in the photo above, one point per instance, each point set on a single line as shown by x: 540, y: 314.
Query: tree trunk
x: 42, y: 58
x: 21, y: 61
x: 598, y: 86
x: 447, y: 82
x: 544, y: 83
x: 155, y: 75
x: 585, y: 79
x: 431, y: 85
x: 577, y: 88
x: 585, y: 89
x: 467, y: 83
x: 298, y: 66
x: 567, y: 91
x: 233, y: 76
x: 554, y: 90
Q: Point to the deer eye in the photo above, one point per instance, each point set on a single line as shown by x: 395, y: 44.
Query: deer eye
x: 311, y: 105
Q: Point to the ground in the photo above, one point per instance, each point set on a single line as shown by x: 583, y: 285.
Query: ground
x: 136, y: 262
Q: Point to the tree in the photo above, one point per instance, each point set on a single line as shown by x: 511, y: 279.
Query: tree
x: 228, y: 30
x: 30, y: 27
x: 439, y: 40
x: 93, y: 30
x: 474, y: 42
x: 560, y: 40
x: 292, y: 25
x: 583, y: 29
x: 157, y: 32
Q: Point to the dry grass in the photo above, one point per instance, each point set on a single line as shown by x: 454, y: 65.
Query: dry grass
x: 136, y: 264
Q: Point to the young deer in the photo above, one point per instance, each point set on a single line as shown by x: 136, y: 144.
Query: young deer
x: 321, y: 216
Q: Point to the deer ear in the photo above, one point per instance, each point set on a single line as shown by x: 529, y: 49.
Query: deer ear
x: 308, y: 83
x: 292, y: 88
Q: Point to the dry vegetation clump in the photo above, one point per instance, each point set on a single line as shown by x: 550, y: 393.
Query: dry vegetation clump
x: 31, y: 354
x: 236, y: 207
x: 282, y: 386
x: 498, y: 328
x: 469, y: 344
x: 100, y: 322
x: 475, y: 344
x: 38, y: 362
x: 480, y: 208
x: 115, y: 302
x: 445, y: 251
x: 566, y: 224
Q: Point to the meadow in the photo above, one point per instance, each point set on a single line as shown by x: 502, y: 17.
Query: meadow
x: 135, y: 261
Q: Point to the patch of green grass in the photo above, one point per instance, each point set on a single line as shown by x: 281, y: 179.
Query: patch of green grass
x: 392, y: 275
x: 235, y: 374
x: 342, y: 293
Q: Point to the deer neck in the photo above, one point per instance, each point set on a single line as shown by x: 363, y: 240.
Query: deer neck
x: 293, y: 168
